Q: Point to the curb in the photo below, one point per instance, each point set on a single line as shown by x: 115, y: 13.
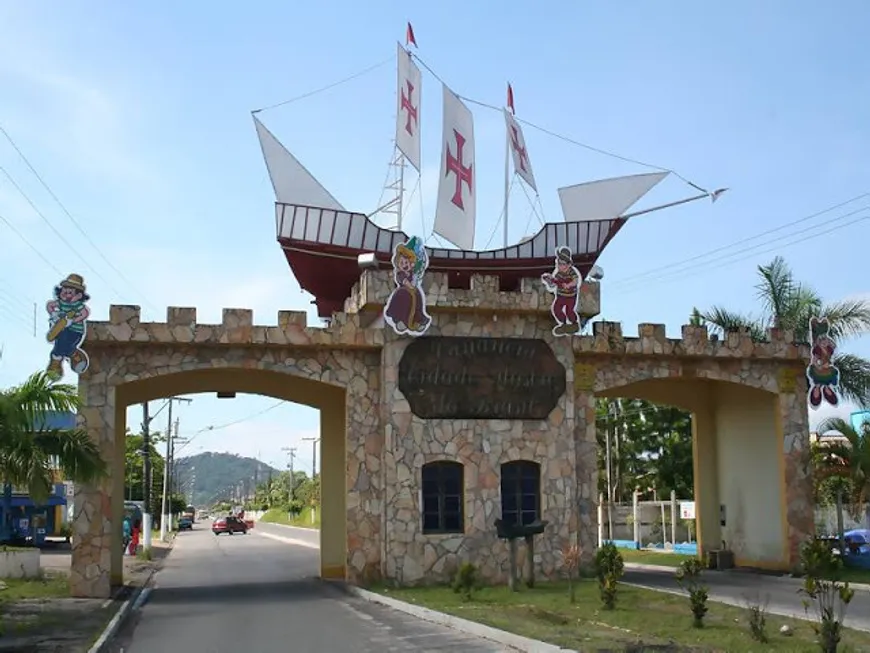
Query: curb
x: 636, y: 566
x: 301, y: 528
x: 515, y: 642
x: 134, y: 601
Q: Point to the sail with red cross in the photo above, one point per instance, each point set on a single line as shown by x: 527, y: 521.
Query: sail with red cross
x: 408, y: 95
x: 327, y: 244
x: 519, y: 152
x: 455, y: 212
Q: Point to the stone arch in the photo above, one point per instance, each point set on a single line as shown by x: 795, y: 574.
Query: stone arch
x: 342, y: 383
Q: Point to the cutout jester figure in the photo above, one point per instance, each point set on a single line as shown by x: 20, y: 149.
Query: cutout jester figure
x: 67, y: 318
x: 405, y: 310
x: 564, y: 282
x: 823, y: 376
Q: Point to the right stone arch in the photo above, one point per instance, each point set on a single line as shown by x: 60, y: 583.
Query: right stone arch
x: 750, y: 429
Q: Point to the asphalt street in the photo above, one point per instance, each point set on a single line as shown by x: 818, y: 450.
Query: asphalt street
x: 259, y: 592
x: 738, y: 587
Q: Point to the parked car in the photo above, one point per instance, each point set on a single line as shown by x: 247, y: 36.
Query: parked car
x: 229, y: 525
x: 185, y: 524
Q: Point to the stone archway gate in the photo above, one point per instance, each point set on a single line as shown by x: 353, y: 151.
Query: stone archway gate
x: 373, y: 445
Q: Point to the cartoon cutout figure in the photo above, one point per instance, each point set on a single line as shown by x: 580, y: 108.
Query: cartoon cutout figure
x: 405, y: 311
x: 822, y: 374
x: 564, y: 282
x: 67, y: 320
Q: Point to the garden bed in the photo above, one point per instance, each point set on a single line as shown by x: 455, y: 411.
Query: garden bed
x: 642, y: 617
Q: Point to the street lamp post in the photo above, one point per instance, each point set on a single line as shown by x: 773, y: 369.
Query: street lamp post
x: 164, y: 511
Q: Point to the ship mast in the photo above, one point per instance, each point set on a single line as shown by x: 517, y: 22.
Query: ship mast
x: 396, y: 187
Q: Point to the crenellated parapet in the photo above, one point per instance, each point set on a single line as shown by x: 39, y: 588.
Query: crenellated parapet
x: 237, y: 327
x: 607, y: 339
x: 370, y: 293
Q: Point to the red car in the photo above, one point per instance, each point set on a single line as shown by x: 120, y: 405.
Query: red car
x: 229, y: 525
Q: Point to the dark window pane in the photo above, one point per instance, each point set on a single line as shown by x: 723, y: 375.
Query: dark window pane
x: 442, y: 497
x: 528, y: 517
x: 452, y: 522
x: 451, y: 504
x: 530, y: 502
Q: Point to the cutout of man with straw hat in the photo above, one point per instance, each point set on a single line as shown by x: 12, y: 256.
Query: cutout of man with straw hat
x: 67, y: 326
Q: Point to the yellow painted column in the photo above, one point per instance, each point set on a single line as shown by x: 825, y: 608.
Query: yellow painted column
x: 333, y: 490
x: 706, y: 479
x: 117, y: 484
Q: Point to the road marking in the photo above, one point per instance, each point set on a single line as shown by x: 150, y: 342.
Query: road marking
x: 288, y: 540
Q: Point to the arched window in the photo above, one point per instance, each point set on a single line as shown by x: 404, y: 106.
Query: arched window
x: 520, y: 492
x: 443, y: 489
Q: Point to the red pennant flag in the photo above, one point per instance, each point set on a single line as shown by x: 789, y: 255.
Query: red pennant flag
x: 409, y: 36
x: 510, y: 99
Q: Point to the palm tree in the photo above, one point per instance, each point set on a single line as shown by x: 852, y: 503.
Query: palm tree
x: 29, y: 449
x: 788, y: 304
x: 852, y: 460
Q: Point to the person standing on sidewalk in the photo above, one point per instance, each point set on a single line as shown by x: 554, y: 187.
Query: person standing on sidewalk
x: 134, y: 541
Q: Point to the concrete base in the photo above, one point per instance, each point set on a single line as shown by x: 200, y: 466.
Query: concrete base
x: 19, y: 563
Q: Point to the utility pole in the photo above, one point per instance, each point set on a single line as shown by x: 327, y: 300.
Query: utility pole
x: 291, y: 451
x: 165, y: 512
x: 146, y: 471
x: 611, y: 424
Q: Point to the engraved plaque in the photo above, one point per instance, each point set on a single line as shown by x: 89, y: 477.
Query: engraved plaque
x: 481, y: 378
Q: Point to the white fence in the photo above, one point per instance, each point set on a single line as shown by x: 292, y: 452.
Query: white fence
x: 826, y: 520
x: 657, y: 522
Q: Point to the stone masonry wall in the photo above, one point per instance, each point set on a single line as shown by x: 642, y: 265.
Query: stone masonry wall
x: 482, y: 446
x: 387, y: 445
x: 126, y: 349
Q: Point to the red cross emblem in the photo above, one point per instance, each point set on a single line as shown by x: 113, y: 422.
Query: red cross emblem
x: 521, y: 151
x: 454, y: 165
x: 409, y: 107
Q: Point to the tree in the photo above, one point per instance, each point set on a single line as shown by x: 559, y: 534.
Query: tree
x: 850, y: 460
x: 789, y: 304
x: 651, y: 446
x: 29, y: 449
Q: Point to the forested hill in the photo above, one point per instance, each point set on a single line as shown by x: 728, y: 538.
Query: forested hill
x: 215, y: 476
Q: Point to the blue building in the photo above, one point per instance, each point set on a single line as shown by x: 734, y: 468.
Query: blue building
x: 21, y: 516
x: 858, y: 419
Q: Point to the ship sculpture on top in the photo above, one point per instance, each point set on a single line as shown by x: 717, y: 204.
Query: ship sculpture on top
x: 313, y: 226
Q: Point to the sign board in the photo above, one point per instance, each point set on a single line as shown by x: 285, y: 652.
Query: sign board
x: 481, y: 378
x: 70, y: 489
x: 687, y: 510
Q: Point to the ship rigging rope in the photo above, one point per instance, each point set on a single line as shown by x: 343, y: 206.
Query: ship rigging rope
x: 485, y: 105
x: 561, y: 137
x: 328, y: 87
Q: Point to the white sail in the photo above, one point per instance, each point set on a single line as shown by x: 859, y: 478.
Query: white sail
x: 408, y: 95
x: 605, y: 199
x: 293, y: 184
x: 522, y: 164
x: 455, y: 212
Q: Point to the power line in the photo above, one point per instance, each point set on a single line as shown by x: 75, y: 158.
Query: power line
x: 729, y: 259
x: 30, y: 245
x: 55, y: 230
x: 68, y: 214
x: 742, y: 241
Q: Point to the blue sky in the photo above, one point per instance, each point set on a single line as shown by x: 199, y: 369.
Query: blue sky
x: 138, y: 119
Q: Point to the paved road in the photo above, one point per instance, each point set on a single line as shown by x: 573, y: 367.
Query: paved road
x: 259, y: 592
x: 736, y: 587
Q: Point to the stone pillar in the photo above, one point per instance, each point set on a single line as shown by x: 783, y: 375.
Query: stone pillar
x: 797, y: 481
x: 586, y: 461
x: 94, y: 537
x: 363, y: 476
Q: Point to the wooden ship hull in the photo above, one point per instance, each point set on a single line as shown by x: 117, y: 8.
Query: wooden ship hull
x: 323, y: 247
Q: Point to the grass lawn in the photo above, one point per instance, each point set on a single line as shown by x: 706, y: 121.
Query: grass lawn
x: 641, y: 616
x: 653, y: 558
x: 303, y: 520
x: 48, y: 587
